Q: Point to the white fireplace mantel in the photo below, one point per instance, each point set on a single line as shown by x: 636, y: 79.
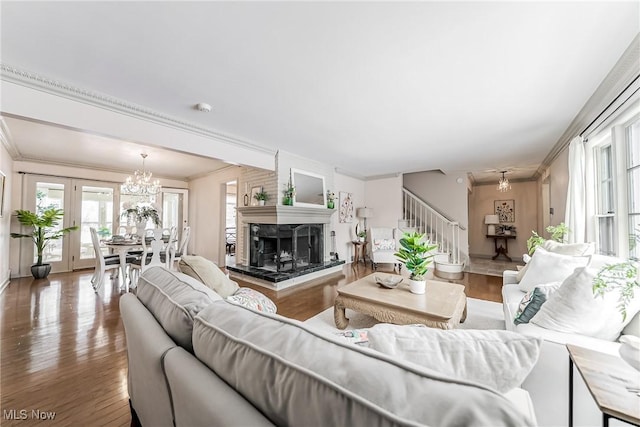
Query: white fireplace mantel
x: 281, y: 214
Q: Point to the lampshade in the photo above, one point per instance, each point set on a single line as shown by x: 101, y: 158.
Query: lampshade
x: 491, y: 219
x: 365, y: 213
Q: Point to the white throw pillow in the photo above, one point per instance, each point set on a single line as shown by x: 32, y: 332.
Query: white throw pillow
x: 547, y: 267
x: 573, y: 249
x: 573, y: 308
x: 498, y: 359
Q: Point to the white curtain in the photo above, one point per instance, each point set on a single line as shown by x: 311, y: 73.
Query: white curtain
x: 576, y: 209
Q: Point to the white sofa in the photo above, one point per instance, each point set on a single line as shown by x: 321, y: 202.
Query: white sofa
x: 195, y: 359
x: 548, y: 382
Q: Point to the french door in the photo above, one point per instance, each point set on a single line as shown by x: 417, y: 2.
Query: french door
x: 85, y: 204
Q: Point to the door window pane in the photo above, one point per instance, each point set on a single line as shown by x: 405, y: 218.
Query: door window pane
x: 50, y: 195
x: 97, y: 212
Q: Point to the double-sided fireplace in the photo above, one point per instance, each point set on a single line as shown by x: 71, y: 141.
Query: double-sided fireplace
x: 280, y: 246
x: 285, y: 247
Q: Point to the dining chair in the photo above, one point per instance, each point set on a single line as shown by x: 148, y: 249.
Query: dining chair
x: 182, y: 248
x: 103, y: 262
x: 155, y: 244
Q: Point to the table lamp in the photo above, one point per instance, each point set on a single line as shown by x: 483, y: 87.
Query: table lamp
x: 364, y: 213
x: 491, y: 221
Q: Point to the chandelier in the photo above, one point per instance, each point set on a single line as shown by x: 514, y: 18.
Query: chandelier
x: 503, y: 184
x: 140, y: 184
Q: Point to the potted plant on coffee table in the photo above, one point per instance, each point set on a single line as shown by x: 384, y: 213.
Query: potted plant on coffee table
x: 43, y: 232
x: 416, y: 254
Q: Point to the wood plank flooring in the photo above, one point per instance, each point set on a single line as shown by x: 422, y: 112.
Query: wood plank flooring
x: 62, y: 347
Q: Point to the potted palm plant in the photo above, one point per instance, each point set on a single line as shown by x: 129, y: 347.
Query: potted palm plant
x: 416, y: 254
x: 43, y: 232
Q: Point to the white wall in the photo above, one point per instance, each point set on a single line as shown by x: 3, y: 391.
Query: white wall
x: 445, y: 194
x: 6, y: 167
x: 558, y: 175
x: 207, y: 206
x: 384, y: 196
x: 345, y: 231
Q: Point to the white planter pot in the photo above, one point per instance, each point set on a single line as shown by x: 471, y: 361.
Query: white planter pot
x: 140, y: 228
x: 417, y: 286
x: 260, y: 202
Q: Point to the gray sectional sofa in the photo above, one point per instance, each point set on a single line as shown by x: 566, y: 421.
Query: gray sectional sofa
x: 195, y: 359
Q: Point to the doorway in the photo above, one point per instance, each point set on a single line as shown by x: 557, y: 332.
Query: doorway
x: 231, y: 202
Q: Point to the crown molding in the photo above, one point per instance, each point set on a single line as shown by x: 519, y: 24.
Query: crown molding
x: 55, y: 87
x: 7, y: 141
x: 623, y: 74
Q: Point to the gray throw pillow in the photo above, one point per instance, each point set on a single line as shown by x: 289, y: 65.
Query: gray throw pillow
x: 533, y: 300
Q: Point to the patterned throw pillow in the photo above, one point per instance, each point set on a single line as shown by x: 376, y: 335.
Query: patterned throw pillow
x: 252, y: 299
x: 533, y: 300
x: 384, y: 245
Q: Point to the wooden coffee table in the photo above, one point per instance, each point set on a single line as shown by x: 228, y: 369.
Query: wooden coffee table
x: 444, y: 305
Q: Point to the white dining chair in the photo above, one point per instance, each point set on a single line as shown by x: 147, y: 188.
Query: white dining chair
x: 153, y: 251
x: 103, y: 262
x: 182, y: 248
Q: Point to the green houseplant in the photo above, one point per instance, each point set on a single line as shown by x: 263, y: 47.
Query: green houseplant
x: 621, y: 278
x: 558, y: 233
x: 261, y: 197
x: 43, y: 225
x: 416, y: 254
x: 140, y: 214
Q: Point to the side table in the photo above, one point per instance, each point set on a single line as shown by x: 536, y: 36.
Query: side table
x: 359, y: 251
x: 607, y: 378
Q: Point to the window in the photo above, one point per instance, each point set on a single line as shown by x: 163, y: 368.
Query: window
x: 613, y: 189
x: 606, y: 207
x: 632, y: 136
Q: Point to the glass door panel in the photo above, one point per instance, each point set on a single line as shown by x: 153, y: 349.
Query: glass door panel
x: 174, y: 212
x: 94, y: 207
x: 41, y: 193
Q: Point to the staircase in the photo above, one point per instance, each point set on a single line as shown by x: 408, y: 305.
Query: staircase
x: 441, y: 231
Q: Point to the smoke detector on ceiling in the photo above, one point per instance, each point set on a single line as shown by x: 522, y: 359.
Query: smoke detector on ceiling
x: 204, y: 107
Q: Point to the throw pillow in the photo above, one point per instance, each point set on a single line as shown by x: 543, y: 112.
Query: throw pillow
x: 355, y: 336
x: 384, y: 245
x: 208, y: 273
x: 573, y: 249
x: 573, y: 308
x: 533, y: 300
x: 252, y: 299
x: 547, y: 267
x: 497, y: 359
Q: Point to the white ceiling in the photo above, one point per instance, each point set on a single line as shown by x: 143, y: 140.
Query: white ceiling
x: 369, y: 87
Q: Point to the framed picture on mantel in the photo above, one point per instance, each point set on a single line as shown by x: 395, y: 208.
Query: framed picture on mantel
x: 506, y: 210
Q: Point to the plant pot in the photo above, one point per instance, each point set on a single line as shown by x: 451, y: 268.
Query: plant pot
x: 287, y: 201
x: 40, y: 271
x: 260, y: 202
x: 330, y: 204
x: 418, y: 287
x: 140, y: 228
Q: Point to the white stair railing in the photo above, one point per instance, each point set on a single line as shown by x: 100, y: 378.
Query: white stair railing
x: 440, y: 230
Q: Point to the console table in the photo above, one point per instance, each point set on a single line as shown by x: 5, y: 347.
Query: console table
x: 501, y: 250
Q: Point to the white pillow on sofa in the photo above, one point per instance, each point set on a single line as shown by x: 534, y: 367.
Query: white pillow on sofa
x: 547, y: 267
x: 573, y: 249
x: 498, y: 359
x: 573, y: 308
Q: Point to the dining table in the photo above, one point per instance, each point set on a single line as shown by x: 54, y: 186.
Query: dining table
x: 122, y: 247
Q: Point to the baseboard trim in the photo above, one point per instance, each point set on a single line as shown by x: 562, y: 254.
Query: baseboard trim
x: 4, y: 284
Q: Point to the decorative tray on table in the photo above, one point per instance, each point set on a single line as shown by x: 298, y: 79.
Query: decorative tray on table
x: 388, y: 282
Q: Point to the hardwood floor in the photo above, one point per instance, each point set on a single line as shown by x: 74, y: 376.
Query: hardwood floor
x: 62, y: 347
